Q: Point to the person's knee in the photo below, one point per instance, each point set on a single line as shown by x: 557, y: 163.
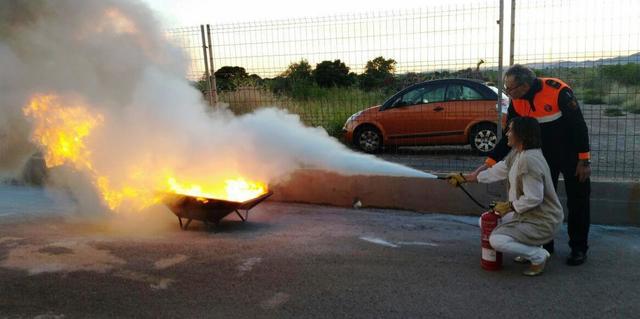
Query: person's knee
x: 498, y: 241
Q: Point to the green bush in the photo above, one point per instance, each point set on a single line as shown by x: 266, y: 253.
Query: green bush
x: 613, y: 111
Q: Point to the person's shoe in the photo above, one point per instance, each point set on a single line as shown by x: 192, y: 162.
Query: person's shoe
x: 521, y: 260
x: 576, y: 258
x: 549, y: 247
x: 536, y: 270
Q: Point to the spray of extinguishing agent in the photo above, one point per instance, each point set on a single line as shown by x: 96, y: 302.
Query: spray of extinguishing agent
x: 490, y: 259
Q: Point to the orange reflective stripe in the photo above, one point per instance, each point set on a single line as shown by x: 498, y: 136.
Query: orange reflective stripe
x: 584, y: 156
x: 490, y: 161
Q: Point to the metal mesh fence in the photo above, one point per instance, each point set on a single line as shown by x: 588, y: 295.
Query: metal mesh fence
x: 329, y: 68
x: 599, y: 56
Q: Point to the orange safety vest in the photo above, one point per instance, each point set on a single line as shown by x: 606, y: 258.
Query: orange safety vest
x: 545, y: 103
x: 545, y: 108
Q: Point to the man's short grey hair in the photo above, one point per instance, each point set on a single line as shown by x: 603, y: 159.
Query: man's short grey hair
x: 521, y: 74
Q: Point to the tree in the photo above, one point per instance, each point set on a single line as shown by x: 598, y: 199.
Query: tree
x: 330, y: 74
x: 202, y: 84
x: 378, y: 73
x: 298, y: 71
x: 230, y: 77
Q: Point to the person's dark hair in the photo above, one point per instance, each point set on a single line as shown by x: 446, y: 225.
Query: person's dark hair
x: 527, y: 130
x: 521, y: 73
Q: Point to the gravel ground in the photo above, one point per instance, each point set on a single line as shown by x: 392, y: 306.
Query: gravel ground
x: 615, y: 149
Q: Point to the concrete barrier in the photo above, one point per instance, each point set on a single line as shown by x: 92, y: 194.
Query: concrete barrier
x: 611, y: 203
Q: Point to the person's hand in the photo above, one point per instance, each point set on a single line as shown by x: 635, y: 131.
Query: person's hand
x: 455, y: 179
x: 583, y: 171
x: 471, y: 177
x: 502, y: 208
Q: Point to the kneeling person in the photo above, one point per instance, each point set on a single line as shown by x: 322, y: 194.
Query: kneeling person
x: 534, y: 210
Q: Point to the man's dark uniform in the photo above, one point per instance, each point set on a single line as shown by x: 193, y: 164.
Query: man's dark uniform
x: 565, y: 140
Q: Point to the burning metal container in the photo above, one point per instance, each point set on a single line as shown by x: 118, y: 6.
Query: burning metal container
x: 208, y: 210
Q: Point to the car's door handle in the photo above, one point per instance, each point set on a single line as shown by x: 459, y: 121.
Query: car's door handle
x: 438, y: 108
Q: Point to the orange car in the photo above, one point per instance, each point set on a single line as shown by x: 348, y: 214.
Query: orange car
x: 451, y: 111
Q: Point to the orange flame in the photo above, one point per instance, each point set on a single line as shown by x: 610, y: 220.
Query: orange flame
x: 62, y: 131
x: 236, y: 190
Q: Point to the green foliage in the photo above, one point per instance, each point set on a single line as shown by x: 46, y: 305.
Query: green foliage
x: 627, y: 74
x: 613, y: 111
x: 330, y: 74
x: 378, y: 74
x: 327, y: 95
x: 230, y: 77
x: 300, y: 71
x: 202, y: 84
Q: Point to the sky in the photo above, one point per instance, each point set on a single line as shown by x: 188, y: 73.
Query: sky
x: 419, y: 35
x: 182, y: 13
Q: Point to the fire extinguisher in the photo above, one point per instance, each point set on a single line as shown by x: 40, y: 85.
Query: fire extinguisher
x: 491, y: 259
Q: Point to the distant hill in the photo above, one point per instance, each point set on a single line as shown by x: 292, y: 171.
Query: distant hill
x: 634, y: 58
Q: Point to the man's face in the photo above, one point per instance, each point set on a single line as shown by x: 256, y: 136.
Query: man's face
x: 514, y: 89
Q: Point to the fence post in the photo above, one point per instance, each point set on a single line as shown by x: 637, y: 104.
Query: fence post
x: 212, y: 76
x: 513, y: 31
x: 500, y: 54
x: 206, y: 64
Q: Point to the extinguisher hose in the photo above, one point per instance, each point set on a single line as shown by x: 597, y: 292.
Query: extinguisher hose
x: 468, y: 195
x: 471, y: 197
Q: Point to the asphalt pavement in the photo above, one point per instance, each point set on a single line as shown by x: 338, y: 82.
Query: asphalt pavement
x: 290, y: 261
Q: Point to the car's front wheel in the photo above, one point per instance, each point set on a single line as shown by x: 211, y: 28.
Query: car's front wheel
x: 483, y: 138
x: 368, y: 139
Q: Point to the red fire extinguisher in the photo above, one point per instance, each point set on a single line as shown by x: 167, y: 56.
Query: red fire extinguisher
x: 491, y: 259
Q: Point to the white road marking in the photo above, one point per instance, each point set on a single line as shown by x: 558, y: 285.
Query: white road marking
x: 416, y: 243
x: 248, y: 264
x: 379, y: 241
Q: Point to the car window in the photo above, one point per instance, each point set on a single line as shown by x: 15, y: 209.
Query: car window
x: 459, y: 92
x: 454, y: 92
x: 412, y: 97
x: 469, y: 93
x: 433, y: 94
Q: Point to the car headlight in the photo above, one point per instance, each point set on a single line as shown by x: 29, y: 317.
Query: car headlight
x: 352, y: 118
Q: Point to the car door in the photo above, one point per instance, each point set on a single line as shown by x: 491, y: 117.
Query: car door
x: 460, y: 108
x: 400, y: 119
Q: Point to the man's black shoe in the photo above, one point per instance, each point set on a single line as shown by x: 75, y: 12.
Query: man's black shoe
x: 577, y: 258
x: 549, y: 247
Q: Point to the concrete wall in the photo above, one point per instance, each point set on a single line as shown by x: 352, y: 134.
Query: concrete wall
x: 611, y: 203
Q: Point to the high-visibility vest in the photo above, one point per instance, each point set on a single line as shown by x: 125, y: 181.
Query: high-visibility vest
x: 545, y: 103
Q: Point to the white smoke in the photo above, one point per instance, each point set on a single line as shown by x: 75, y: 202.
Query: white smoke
x: 112, y: 56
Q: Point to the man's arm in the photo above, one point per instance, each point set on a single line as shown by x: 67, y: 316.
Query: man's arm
x: 573, y: 117
x: 502, y: 149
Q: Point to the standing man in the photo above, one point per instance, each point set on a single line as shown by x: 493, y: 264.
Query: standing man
x: 565, y: 145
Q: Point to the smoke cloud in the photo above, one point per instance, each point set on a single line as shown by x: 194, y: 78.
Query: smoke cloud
x: 111, y: 57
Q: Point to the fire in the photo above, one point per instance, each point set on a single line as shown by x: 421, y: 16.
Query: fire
x: 235, y: 190
x: 63, y: 130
